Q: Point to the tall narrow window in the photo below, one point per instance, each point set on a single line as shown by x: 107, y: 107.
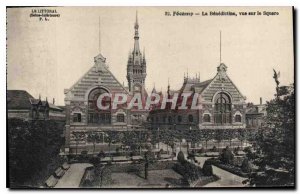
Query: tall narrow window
x: 222, y: 112
x: 96, y: 115
x: 238, y: 118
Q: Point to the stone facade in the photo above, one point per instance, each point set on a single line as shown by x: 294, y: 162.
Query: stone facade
x: 220, y: 105
x: 83, y: 116
x: 255, y: 115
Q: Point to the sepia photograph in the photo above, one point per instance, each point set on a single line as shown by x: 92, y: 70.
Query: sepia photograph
x: 184, y: 97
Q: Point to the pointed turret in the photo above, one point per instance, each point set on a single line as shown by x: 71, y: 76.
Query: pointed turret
x: 136, y: 49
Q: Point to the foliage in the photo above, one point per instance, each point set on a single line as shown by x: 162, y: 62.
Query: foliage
x: 189, y: 171
x: 32, y: 146
x: 246, y: 166
x: 274, y: 153
x: 226, y: 156
x: 207, y: 169
x: 180, y: 157
x: 95, y: 161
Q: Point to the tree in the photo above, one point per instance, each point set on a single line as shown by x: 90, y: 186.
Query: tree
x: 228, y: 135
x: 275, y: 146
x: 226, y: 156
x: 33, y: 148
x: 241, y: 136
x: 180, y: 157
x: 219, y: 136
x: 206, y: 135
x: 94, y: 138
x: 246, y: 166
x: 78, y: 136
x: 207, y: 169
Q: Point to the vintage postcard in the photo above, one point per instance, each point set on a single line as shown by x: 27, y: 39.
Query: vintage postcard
x: 150, y: 97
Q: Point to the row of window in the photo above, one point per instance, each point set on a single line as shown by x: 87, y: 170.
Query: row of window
x: 99, y: 118
x: 222, y: 111
x: 170, y: 119
x: 135, y: 71
x: 219, y: 118
x: 222, y: 118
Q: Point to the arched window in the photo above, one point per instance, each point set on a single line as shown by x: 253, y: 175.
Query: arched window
x: 206, y: 118
x: 238, y: 118
x: 191, y: 118
x: 222, y: 112
x: 179, y: 119
x: 96, y: 115
x: 120, y: 118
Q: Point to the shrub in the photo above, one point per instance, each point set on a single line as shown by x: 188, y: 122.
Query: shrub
x: 95, y: 161
x: 101, y: 154
x: 226, y: 156
x: 246, y: 166
x: 84, y: 152
x: 236, y: 150
x: 207, y: 169
x: 190, y: 172
x: 214, y: 149
x: 180, y: 157
x: 201, y: 150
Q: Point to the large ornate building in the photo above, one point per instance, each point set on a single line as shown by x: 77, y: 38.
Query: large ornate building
x: 220, y: 105
x: 83, y: 117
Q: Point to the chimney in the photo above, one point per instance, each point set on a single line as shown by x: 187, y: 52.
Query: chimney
x: 53, y: 101
x: 260, y: 99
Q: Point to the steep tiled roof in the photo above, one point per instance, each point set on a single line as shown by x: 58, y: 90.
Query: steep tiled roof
x: 18, y: 99
x: 52, y: 106
x: 199, y: 87
x: 256, y: 110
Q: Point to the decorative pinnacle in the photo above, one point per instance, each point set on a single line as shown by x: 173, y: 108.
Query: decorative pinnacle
x: 136, y: 26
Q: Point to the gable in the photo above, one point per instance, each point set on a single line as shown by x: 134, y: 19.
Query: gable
x: 222, y: 82
x: 98, y: 75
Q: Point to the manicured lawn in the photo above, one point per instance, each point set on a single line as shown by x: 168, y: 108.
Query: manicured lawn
x: 156, y: 178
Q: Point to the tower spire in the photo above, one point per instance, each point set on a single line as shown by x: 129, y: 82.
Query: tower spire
x: 136, y: 17
x: 136, y: 49
x: 99, y: 35
x: 168, y: 87
x: 220, y: 46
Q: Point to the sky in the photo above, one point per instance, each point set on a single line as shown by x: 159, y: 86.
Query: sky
x: 46, y: 57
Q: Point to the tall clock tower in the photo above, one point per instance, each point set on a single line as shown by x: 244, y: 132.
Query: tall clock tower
x: 136, y: 65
